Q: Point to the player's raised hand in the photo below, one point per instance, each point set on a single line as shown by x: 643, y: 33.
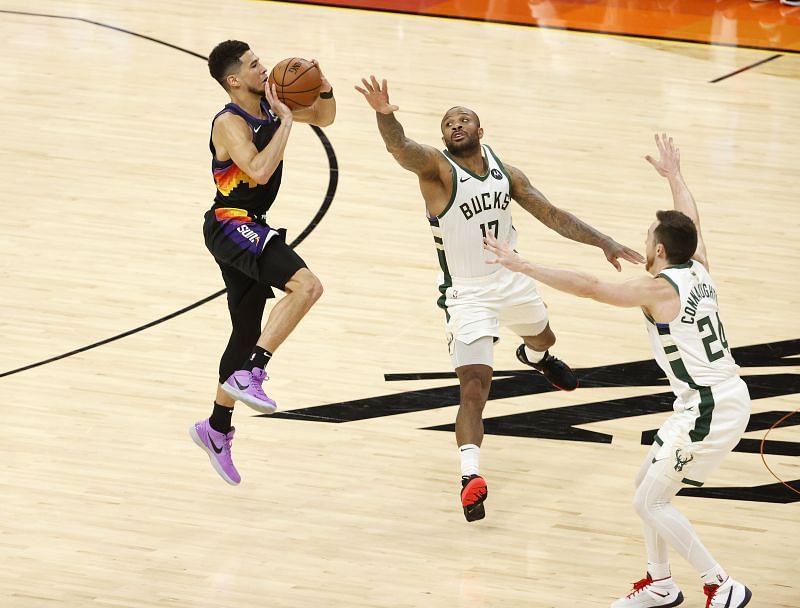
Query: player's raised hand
x: 326, y: 86
x: 505, y: 256
x: 377, y: 95
x: 276, y: 105
x: 669, y: 161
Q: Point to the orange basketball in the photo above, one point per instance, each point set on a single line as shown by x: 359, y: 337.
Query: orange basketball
x: 297, y: 82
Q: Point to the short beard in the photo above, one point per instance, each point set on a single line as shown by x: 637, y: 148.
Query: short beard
x: 464, y: 148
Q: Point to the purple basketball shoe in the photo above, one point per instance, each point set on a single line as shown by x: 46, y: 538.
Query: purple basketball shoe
x: 245, y: 386
x: 218, y: 447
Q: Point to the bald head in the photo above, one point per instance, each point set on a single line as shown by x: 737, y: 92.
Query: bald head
x: 461, y: 131
x: 456, y: 111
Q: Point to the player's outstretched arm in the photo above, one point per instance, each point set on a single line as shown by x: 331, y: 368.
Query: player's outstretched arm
x: 644, y: 291
x: 669, y: 165
x: 563, y: 222
x: 420, y: 159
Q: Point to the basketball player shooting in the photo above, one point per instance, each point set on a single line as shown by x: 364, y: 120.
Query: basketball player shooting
x: 712, y: 403
x: 248, y: 139
x: 467, y: 192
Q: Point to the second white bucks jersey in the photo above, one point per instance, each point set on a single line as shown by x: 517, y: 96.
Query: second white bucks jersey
x: 692, y: 349
x: 479, y: 205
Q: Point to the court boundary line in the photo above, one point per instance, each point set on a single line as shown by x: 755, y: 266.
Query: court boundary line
x: 763, y: 455
x: 744, y: 69
x: 107, y: 26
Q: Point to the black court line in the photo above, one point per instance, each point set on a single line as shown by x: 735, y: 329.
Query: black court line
x: 398, y: 11
x: 107, y: 26
x: 744, y: 69
x: 117, y: 337
x: 333, y: 182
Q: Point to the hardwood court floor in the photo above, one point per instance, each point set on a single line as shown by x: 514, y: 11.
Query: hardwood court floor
x: 104, y: 499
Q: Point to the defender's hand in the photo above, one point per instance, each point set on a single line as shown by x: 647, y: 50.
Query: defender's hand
x: 377, y: 95
x: 613, y: 251
x: 669, y: 163
x: 505, y: 256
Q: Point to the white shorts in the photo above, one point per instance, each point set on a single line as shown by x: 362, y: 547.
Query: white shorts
x: 477, y: 307
x: 709, y: 427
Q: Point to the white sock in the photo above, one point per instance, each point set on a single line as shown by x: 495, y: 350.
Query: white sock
x: 470, y: 455
x: 658, y: 571
x: 534, y: 356
x: 714, y: 576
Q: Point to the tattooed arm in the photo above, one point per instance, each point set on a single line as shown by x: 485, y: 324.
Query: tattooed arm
x: 563, y: 222
x: 428, y: 163
x: 420, y: 159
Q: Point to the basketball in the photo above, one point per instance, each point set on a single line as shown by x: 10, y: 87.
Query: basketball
x: 297, y: 82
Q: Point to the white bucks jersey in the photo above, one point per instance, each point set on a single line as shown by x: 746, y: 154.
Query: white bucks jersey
x: 692, y: 349
x: 479, y: 205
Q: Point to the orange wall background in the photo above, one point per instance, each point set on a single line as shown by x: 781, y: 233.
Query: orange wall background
x: 764, y: 25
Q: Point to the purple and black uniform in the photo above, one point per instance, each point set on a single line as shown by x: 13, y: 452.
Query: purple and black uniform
x: 252, y: 256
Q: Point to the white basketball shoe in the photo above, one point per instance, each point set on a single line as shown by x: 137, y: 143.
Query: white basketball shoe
x: 647, y: 593
x: 730, y: 594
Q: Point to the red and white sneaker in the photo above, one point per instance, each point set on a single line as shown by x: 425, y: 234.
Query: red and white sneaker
x: 647, y: 593
x: 730, y: 594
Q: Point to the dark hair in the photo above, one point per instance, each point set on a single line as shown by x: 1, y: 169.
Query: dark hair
x: 677, y: 232
x: 224, y: 60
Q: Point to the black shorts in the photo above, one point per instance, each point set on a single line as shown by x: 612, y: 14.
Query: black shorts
x: 245, y: 249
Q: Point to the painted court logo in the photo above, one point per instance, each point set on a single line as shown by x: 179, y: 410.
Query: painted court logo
x: 573, y: 422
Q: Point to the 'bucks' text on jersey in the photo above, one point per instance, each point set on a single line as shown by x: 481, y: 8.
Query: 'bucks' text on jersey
x: 479, y: 205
